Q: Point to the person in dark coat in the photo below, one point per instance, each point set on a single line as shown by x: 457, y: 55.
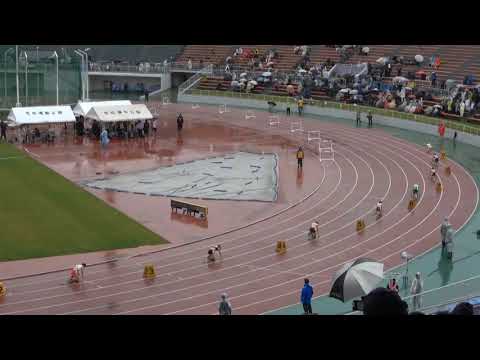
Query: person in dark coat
x: 359, y: 117
x: 306, y: 297
x: 179, y: 122
x: 3, y: 130
x: 370, y: 119
x: 384, y: 302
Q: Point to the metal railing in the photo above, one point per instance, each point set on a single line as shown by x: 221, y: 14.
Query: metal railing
x: 472, y: 130
x: 441, y: 297
x: 193, y: 80
x: 152, y: 69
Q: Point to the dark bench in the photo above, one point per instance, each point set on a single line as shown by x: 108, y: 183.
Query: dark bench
x: 189, y: 208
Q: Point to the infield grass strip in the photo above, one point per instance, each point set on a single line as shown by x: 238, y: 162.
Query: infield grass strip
x: 43, y: 214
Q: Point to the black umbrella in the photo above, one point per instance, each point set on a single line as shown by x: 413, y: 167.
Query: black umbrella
x: 356, y: 278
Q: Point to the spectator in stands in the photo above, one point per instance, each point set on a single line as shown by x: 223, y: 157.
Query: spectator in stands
x: 306, y: 297
x: 146, y: 128
x: 464, y: 308
x: 433, y: 79
x: 189, y: 64
x: 146, y: 95
x: 416, y: 289
x: 384, y: 302
x: 224, y: 308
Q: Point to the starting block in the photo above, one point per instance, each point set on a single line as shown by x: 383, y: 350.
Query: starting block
x: 3, y: 290
x: 313, y: 135
x: 222, y: 109
x: 448, y: 170
x: 274, y: 121
x: 439, y: 187
x: 443, y: 155
x: 360, y: 225
x: 249, y: 114
x: 281, y: 247
x: 411, y: 204
x: 165, y: 100
x: 296, y: 126
x: 149, y: 272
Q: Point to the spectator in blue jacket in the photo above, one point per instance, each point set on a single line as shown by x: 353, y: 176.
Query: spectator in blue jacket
x: 306, y: 297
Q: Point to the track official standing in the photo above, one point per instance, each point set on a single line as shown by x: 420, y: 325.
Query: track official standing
x: 370, y: 118
x: 306, y: 297
x: 300, y: 156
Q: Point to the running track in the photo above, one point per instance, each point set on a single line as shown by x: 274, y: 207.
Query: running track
x: 369, y: 165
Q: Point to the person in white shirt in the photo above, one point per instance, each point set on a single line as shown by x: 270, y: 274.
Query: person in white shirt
x: 379, y: 208
x: 416, y: 289
x: 416, y: 189
x: 77, y: 273
x: 154, y: 126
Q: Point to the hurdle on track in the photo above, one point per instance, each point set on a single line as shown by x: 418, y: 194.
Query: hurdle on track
x: 165, y: 100
x: 274, y: 121
x: 296, y: 127
x: 249, y: 114
x: 222, y: 109
x: 325, y: 150
x: 313, y: 135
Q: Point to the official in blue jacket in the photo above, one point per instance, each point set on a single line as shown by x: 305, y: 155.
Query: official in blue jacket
x: 306, y: 297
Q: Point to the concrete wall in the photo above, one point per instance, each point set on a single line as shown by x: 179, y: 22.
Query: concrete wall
x: 97, y: 82
x: 343, y: 114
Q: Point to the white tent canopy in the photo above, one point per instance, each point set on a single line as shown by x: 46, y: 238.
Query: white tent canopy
x: 41, y: 115
x: 119, y: 113
x: 82, y: 108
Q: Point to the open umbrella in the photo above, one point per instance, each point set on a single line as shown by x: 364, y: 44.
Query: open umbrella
x: 267, y: 74
x: 345, y: 91
x: 419, y: 58
x: 243, y: 74
x: 356, y: 278
x: 253, y: 82
x: 400, y: 79
x: 302, y: 71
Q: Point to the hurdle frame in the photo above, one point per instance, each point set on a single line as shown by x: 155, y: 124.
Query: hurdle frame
x: 273, y: 121
x: 250, y: 114
x: 313, y: 135
x: 326, y: 147
x: 165, y: 100
x: 222, y: 109
x: 296, y: 126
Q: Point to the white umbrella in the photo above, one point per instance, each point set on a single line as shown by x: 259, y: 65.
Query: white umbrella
x: 354, y: 92
x: 253, y: 82
x: 243, y: 80
x: 356, y: 278
x: 382, y: 60
x: 345, y: 91
x: 366, y: 49
x: 400, y: 79
x: 266, y: 74
x: 302, y: 70
x: 419, y: 58
x: 243, y: 74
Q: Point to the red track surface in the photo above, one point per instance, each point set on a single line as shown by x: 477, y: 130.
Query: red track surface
x: 369, y: 165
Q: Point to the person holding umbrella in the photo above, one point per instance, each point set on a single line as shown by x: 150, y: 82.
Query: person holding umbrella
x: 306, y: 297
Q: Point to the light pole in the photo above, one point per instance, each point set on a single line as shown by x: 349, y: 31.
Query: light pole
x: 406, y: 256
x: 18, y: 88
x: 38, y: 75
x: 82, y: 73
x: 26, y: 78
x: 5, y: 69
x: 84, y: 52
x: 56, y: 62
